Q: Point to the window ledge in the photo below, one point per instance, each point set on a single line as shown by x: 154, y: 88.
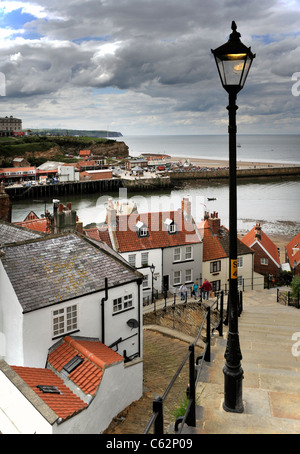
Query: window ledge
x: 123, y: 310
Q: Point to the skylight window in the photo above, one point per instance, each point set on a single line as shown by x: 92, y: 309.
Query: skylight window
x: 49, y: 389
x: 73, y: 364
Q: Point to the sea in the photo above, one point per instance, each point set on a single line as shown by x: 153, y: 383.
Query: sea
x: 273, y: 203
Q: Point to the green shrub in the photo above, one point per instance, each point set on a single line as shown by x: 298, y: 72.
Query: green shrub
x: 295, y: 284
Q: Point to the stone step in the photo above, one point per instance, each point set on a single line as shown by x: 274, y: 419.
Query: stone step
x: 264, y: 412
x: 271, y: 385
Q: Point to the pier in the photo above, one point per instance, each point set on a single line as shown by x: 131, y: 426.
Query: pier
x: 61, y: 189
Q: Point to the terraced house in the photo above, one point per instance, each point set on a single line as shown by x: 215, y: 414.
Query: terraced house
x: 168, y: 240
x: 216, y: 256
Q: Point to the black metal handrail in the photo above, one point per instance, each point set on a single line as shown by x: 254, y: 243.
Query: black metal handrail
x: 189, y: 418
x: 287, y: 297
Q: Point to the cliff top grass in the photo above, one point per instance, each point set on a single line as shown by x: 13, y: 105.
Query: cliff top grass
x: 19, y: 146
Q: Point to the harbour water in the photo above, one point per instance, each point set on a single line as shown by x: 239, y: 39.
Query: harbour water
x: 273, y: 203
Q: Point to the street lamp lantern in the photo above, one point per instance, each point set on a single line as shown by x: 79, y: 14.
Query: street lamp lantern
x: 233, y: 61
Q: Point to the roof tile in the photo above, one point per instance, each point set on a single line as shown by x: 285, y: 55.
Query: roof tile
x: 65, y: 404
x: 87, y: 376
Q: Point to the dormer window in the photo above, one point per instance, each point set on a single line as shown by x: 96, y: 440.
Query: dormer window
x: 142, y: 229
x: 170, y: 226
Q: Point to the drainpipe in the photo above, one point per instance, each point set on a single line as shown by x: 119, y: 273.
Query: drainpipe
x: 139, y: 283
x: 105, y: 298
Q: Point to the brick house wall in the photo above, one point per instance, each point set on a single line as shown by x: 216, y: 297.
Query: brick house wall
x: 270, y: 268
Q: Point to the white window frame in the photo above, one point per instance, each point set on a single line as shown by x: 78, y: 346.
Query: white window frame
x: 172, y: 228
x: 264, y: 261
x: 143, y: 231
x: 215, y: 266
x: 177, y: 254
x: 128, y: 301
x: 189, y: 275
x: 144, y: 261
x: 132, y: 259
x: 146, y: 281
x: 240, y: 261
x: 117, y: 304
x: 122, y: 303
x: 188, y: 253
x: 64, y: 320
x: 176, y: 280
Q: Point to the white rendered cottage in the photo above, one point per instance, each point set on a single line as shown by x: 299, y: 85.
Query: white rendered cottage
x: 64, y: 294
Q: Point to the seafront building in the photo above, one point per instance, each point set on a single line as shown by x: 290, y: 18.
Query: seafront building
x: 10, y: 126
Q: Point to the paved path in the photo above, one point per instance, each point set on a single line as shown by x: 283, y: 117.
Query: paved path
x: 271, y: 385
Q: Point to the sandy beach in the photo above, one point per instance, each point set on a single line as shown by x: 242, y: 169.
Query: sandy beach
x: 214, y: 163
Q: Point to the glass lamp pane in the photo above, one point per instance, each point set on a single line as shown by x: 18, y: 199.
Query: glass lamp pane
x: 246, y: 70
x: 233, y: 68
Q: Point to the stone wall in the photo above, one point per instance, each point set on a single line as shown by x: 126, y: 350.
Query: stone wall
x: 241, y: 173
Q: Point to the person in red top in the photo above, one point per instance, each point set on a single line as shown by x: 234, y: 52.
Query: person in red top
x: 206, y: 287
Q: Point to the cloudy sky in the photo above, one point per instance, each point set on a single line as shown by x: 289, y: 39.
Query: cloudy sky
x: 145, y: 66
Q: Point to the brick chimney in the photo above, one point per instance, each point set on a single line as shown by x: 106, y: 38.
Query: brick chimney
x: 111, y: 221
x: 214, y: 223
x: 5, y: 205
x: 257, y: 230
x: 64, y: 218
x: 111, y: 215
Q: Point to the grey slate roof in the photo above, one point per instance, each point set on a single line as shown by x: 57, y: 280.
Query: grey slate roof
x: 61, y: 267
x: 10, y: 233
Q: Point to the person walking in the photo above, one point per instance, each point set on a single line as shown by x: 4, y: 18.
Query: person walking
x: 206, y: 287
x: 183, y: 292
x: 195, y: 289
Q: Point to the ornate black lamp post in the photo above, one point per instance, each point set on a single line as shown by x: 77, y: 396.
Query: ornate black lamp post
x: 233, y: 61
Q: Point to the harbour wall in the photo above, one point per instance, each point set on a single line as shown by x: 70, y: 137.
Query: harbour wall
x: 170, y: 179
x: 264, y: 172
x: 62, y: 189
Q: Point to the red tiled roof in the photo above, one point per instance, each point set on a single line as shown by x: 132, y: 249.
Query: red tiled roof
x: 212, y: 248
x: 16, y: 169
x: 95, y: 357
x: 293, y: 255
x: 128, y: 239
x: 41, y: 225
x: 65, y: 404
x: 265, y: 242
x: 99, y: 234
x: 84, y: 152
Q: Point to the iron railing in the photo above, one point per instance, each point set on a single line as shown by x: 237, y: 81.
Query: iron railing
x: 288, y: 299
x: 157, y: 419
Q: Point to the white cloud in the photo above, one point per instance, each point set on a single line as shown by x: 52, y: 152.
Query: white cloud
x: 156, y: 56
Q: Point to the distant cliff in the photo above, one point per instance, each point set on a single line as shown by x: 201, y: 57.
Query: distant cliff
x: 78, y: 132
x: 56, y: 147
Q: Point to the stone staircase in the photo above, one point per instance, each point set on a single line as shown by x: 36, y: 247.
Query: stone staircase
x: 271, y: 385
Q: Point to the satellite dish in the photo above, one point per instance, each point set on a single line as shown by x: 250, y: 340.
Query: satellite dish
x: 132, y: 323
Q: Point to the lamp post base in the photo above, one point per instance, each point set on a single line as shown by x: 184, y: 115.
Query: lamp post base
x: 233, y: 401
x: 233, y: 376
